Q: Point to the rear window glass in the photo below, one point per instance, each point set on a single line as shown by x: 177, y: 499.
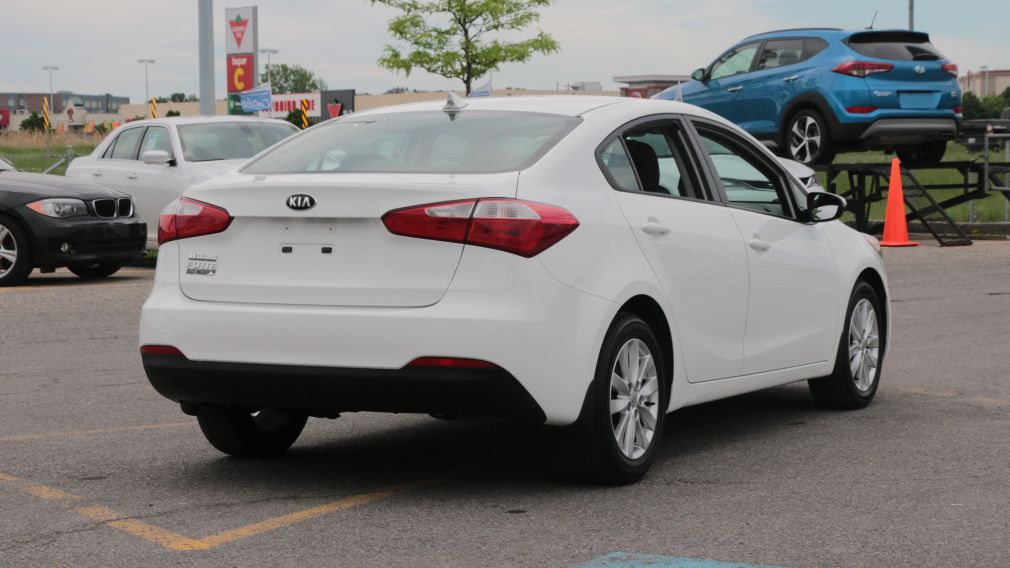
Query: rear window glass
x: 230, y: 140
x: 898, y: 46
x: 420, y: 142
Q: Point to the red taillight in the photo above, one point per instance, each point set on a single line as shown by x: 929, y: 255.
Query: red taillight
x: 860, y: 109
x: 862, y: 68
x: 185, y: 218
x: 164, y: 350
x: 957, y: 109
x: 950, y: 68
x: 525, y: 228
x: 451, y: 363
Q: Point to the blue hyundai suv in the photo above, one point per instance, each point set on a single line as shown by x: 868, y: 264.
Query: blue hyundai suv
x: 810, y: 93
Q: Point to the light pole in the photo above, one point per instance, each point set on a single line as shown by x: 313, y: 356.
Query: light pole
x: 911, y: 14
x: 147, y: 93
x: 269, y: 52
x: 51, y: 69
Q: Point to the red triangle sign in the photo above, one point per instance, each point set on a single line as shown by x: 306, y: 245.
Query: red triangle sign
x: 238, y: 27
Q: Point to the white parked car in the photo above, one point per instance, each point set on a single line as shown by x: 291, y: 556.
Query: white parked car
x: 155, y: 161
x: 574, y: 261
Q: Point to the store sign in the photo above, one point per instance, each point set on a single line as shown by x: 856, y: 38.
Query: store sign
x: 241, y: 27
x: 283, y: 104
x: 241, y: 72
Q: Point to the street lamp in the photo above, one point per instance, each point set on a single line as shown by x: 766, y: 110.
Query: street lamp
x: 51, y: 69
x: 147, y: 93
x: 268, y: 52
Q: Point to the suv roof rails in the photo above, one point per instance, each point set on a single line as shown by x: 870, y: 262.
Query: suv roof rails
x: 795, y: 30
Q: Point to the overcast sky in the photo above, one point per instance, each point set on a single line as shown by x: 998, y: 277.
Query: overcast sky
x: 96, y: 44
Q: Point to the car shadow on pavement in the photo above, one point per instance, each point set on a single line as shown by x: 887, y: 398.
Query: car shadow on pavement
x: 417, y: 448
x: 67, y: 279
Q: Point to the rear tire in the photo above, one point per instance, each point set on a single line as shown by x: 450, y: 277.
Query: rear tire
x: 95, y: 271
x: 15, y: 253
x: 861, y: 348
x: 807, y: 138
x: 240, y: 433
x: 616, y: 446
x: 928, y: 153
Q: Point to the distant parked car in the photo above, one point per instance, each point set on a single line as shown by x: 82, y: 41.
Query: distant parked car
x: 156, y: 160
x: 972, y: 134
x: 49, y: 222
x: 810, y: 93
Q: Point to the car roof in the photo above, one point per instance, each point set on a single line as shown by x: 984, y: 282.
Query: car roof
x: 180, y: 120
x: 793, y: 32
x: 567, y: 105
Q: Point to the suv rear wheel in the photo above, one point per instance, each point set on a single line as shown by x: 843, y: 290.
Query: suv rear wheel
x: 927, y: 153
x: 807, y: 139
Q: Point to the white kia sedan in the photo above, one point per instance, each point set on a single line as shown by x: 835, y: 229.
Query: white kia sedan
x: 576, y: 261
x: 155, y: 161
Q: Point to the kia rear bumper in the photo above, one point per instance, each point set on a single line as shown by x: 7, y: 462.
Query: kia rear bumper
x: 325, y: 391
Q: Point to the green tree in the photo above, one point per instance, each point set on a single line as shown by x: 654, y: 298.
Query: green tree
x: 451, y: 37
x: 33, y: 122
x: 177, y: 97
x: 971, y: 106
x: 286, y: 78
x: 172, y: 113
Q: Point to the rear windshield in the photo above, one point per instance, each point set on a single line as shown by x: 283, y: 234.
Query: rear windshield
x: 420, y: 142
x: 900, y: 46
x: 230, y: 140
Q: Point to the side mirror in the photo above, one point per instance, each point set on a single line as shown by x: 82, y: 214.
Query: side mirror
x: 824, y: 206
x: 156, y: 157
x: 698, y: 75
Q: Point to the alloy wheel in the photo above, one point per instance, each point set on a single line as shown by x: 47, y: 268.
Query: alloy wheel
x: 634, y: 398
x: 8, y: 251
x: 864, y: 345
x: 805, y: 139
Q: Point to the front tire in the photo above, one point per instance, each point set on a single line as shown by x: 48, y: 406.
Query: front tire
x: 240, y: 433
x: 927, y: 153
x: 807, y: 139
x: 853, y: 383
x: 15, y: 253
x: 96, y: 271
x: 621, y: 423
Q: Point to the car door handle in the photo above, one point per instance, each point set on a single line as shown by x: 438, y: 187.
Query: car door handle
x: 736, y: 89
x: 131, y: 176
x: 97, y: 174
x: 791, y: 78
x: 759, y: 244
x: 655, y: 228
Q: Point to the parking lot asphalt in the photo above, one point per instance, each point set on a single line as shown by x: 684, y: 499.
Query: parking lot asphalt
x: 96, y: 469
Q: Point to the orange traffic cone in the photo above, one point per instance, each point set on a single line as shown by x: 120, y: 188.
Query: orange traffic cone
x: 895, y: 226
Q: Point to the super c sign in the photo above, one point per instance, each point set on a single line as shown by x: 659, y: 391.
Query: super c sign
x: 240, y: 73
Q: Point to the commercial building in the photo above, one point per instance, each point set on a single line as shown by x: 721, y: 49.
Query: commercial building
x: 646, y: 86
x: 25, y: 103
x: 986, y: 82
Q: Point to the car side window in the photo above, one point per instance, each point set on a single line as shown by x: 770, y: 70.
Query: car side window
x: 734, y: 62
x: 748, y: 181
x: 814, y: 46
x: 651, y: 159
x: 615, y: 162
x: 780, y: 53
x: 157, y: 138
x: 126, y: 144
x: 109, y: 149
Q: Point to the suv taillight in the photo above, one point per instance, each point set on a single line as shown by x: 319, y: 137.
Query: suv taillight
x: 525, y: 228
x: 950, y: 68
x: 862, y: 68
x: 185, y: 218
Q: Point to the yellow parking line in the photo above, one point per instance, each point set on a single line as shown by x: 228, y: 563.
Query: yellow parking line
x: 180, y: 542
x: 150, y: 533
x: 292, y: 518
x: 49, y: 493
x: 78, y: 433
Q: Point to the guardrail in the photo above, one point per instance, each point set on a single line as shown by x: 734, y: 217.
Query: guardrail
x: 66, y: 159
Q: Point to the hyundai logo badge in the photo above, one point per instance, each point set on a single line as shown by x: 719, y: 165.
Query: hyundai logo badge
x: 920, y: 69
x: 301, y: 202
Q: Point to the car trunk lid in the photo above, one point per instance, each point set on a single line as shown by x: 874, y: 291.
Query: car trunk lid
x: 336, y: 253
